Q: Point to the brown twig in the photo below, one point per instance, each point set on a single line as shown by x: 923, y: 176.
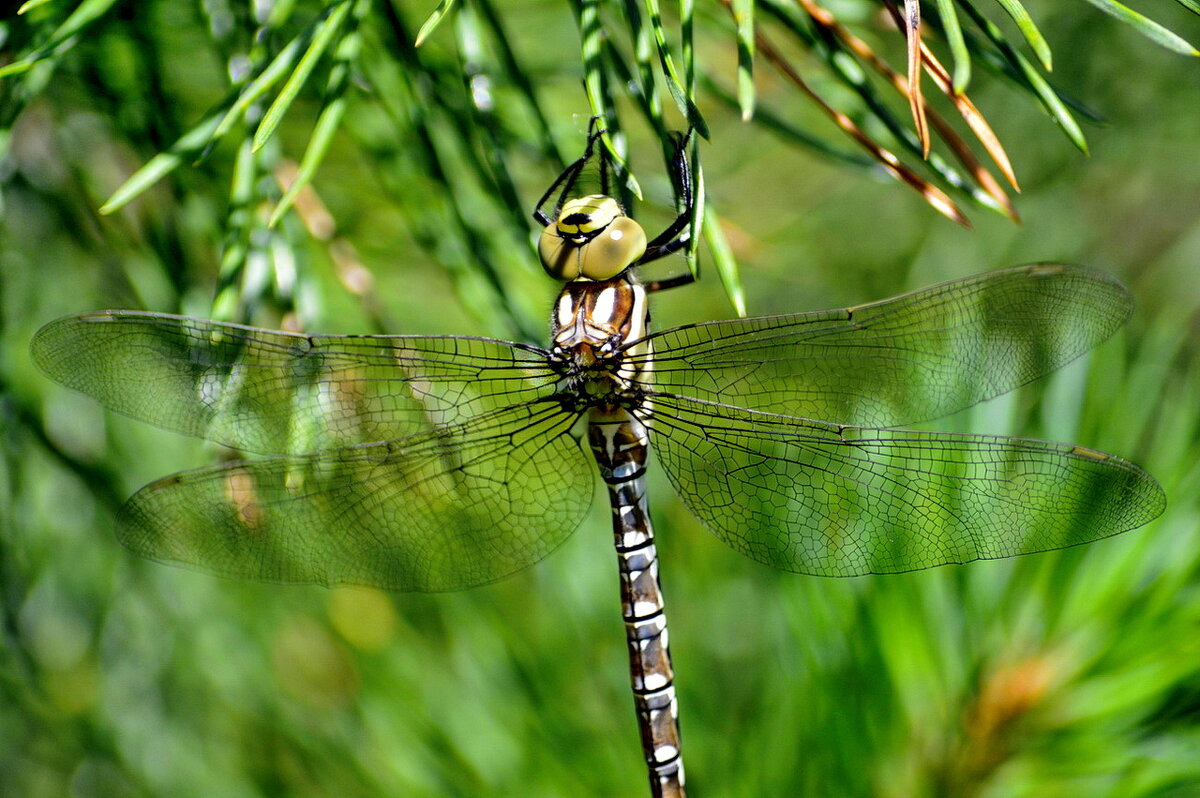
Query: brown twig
x: 931, y: 193
x: 941, y: 78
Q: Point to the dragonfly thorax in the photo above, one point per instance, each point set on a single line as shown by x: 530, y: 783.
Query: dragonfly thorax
x: 592, y: 239
x: 592, y: 328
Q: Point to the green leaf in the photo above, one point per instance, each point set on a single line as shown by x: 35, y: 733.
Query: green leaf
x: 1052, y: 102
x: 687, y: 11
x: 699, y: 202
x: 743, y: 15
x: 593, y: 43
x: 723, y: 260
x: 279, y: 15
x: 326, y: 30
x: 674, y: 86
x: 1148, y: 27
x: 331, y: 115
x: 516, y: 70
x: 844, y: 65
x: 29, y: 5
x: 435, y: 19
x: 279, y: 65
x: 235, y: 248
x: 1029, y: 30
x: 492, y: 167
x: 163, y: 164
x: 1190, y: 5
x: 318, y: 145
x: 958, y: 46
x: 644, y: 87
x: 84, y: 14
x: 1038, y: 84
x: 766, y: 118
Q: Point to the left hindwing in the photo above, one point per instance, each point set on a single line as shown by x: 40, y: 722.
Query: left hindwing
x: 463, y: 505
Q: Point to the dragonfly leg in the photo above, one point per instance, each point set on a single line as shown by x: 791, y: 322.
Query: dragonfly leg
x: 687, y: 278
x: 677, y: 234
x: 567, y: 179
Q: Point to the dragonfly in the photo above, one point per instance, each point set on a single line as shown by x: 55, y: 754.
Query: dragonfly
x: 436, y: 463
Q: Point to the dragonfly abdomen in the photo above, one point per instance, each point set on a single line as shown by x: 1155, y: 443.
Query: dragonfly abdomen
x: 620, y: 444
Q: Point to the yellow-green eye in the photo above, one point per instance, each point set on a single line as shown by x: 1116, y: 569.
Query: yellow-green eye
x: 614, y: 250
x: 592, y: 239
x: 560, y: 258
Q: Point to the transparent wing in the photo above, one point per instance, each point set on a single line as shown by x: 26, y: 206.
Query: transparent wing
x: 277, y: 392
x: 462, y: 506
x: 832, y: 500
x: 911, y: 358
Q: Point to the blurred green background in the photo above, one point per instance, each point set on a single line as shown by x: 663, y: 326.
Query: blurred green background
x: 1074, y: 673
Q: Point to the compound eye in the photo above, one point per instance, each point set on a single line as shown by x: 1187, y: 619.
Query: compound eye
x: 560, y: 257
x: 613, y: 250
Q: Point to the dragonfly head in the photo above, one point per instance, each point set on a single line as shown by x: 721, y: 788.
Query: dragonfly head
x: 592, y: 239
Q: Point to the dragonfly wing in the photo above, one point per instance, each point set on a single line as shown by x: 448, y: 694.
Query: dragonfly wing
x: 911, y: 358
x: 463, y: 506
x: 268, y: 391
x: 831, y: 500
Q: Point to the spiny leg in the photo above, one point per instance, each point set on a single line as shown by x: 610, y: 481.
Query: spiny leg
x: 677, y: 234
x: 569, y: 175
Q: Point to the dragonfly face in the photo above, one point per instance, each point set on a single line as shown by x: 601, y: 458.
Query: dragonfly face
x: 592, y: 239
x: 587, y: 234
